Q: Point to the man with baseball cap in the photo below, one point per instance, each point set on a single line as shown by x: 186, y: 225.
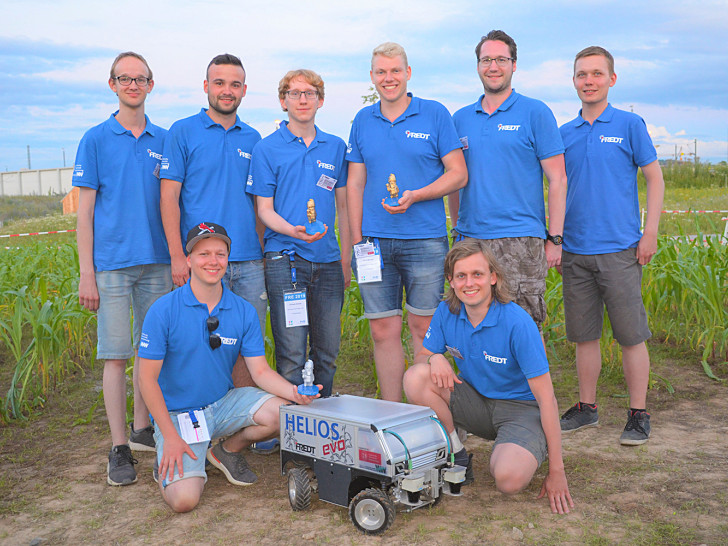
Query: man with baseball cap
x: 190, y: 341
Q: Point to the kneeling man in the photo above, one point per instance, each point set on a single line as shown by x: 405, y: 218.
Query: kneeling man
x: 504, y: 390
x: 190, y: 341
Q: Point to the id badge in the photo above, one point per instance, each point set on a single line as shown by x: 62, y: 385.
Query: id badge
x: 294, y: 305
x: 193, y: 427
x: 326, y: 182
x: 368, y: 263
x: 156, y: 170
x: 454, y: 352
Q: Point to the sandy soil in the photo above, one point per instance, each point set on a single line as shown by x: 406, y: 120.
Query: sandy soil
x: 672, y: 490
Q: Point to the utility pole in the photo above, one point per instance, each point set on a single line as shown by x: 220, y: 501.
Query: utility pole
x: 28, y: 156
x: 696, y: 156
x: 64, y: 156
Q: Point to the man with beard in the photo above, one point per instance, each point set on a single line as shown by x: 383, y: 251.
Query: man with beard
x: 509, y: 142
x: 204, y: 170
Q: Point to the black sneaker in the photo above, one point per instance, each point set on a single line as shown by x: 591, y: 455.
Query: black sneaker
x: 579, y: 416
x: 120, y: 470
x: 637, y: 430
x: 142, y: 440
x: 233, y: 465
x: 463, y: 458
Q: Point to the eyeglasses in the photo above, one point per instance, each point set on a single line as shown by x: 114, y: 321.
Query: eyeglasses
x: 141, y: 81
x: 295, y: 94
x: 214, y: 339
x: 500, y: 61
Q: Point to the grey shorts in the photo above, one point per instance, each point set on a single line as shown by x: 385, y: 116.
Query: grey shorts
x: 505, y: 421
x: 592, y: 282
x: 523, y: 261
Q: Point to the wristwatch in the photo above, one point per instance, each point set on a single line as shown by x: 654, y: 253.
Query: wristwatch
x: 556, y: 239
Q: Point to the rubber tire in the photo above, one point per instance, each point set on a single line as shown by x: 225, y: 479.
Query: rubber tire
x: 372, y: 503
x: 299, y: 489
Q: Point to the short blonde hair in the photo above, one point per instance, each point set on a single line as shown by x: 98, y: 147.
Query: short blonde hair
x: 309, y: 75
x: 123, y: 56
x: 391, y: 50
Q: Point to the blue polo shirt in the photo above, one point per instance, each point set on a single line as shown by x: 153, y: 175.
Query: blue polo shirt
x: 124, y: 171
x: 194, y: 375
x: 212, y: 164
x: 498, y: 356
x: 412, y: 149
x: 285, y: 169
x: 602, y: 202
x: 503, y: 152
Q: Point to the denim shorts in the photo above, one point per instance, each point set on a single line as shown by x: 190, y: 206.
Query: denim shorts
x: 137, y: 287
x: 247, y: 281
x: 415, y: 265
x: 613, y: 280
x: 505, y: 421
x: 231, y: 413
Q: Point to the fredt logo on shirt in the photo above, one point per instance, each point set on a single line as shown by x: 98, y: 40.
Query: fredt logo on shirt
x: 228, y: 340
x: 423, y: 136
x: 495, y: 359
x: 323, y: 165
x: 246, y: 155
x: 154, y: 155
x: 614, y: 139
x: 502, y: 127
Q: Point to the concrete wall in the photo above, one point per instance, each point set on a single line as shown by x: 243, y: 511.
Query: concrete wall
x: 36, y: 182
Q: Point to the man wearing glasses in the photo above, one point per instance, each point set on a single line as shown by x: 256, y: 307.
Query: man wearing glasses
x: 117, y: 170
x: 205, y: 166
x: 190, y: 342
x: 298, y: 163
x: 509, y: 142
x: 402, y: 246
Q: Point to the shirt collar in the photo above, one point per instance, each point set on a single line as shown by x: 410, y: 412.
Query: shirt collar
x: 288, y: 136
x: 604, y: 117
x: 208, y: 122
x: 413, y: 109
x: 512, y: 98
x: 491, y: 318
x: 189, y: 299
x: 119, y: 129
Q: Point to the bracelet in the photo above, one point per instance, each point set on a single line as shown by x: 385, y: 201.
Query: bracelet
x: 429, y: 357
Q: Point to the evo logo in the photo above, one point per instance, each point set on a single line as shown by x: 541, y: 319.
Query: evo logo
x: 616, y: 140
x: 495, y: 359
x: 502, y: 127
x: 323, y: 165
x: 424, y: 136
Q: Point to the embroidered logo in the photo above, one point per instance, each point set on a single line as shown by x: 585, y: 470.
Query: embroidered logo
x: 424, y: 136
x: 246, y: 155
x: 323, y: 165
x: 78, y: 170
x: 154, y: 155
x: 502, y: 127
x: 616, y: 140
x: 495, y: 359
x: 250, y: 180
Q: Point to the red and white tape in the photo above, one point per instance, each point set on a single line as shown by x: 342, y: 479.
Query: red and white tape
x: 39, y: 233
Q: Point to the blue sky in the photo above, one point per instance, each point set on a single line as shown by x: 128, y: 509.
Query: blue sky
x: 55, y: 57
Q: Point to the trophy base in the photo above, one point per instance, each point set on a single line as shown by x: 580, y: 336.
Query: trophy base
x: 391, y: 201
x: 308, y: 390
x: 312, y: 228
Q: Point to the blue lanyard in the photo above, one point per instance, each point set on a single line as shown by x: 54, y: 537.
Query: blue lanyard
x: 193, y: 418
x: 292, y: 257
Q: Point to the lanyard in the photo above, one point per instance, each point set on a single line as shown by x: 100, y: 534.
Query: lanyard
x: 292, y: 257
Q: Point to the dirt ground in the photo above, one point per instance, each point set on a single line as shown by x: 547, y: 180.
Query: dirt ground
x: 672, y: 490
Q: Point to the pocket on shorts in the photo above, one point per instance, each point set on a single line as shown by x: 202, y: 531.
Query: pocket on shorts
x: 530, y: 296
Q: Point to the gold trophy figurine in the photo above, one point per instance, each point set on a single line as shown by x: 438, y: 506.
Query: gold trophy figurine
x: 314, y: 226
x: 393, y: 189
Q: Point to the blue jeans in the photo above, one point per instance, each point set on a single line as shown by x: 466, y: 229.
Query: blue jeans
x: 247, y: 281
x: 324, y: 286
x: 417, y: 265
x: 138, y: 287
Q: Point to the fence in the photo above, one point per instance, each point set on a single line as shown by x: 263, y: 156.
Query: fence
x: 36, y: 182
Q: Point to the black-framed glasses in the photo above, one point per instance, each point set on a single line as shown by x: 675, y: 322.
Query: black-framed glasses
x: 214, y: 339
x: 295, y: 94
x: 141, y: 81
x: 500, y: 61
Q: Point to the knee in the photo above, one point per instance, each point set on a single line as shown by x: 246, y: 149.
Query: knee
x: 510, y: 481
x: 386, y: 329
x: 415, y: 382
x: 268, y: 416
x: 184, y: 500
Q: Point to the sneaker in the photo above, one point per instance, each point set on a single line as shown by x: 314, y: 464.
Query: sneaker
x: 463, y: 458
x: 120, y: 470
x: 155, y: 470
x: 268, y: 447
x: 233, y: 465
x: 142, y: 440
x: 579, y: 416
x: 637, y: 430
x: 462, y: 434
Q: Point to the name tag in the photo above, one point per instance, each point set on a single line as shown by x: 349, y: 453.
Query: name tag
x: 193, y: 427
x: 326, y: 182
x: 454, y: 352
x: 368, y: 263
x: 294, y: 305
